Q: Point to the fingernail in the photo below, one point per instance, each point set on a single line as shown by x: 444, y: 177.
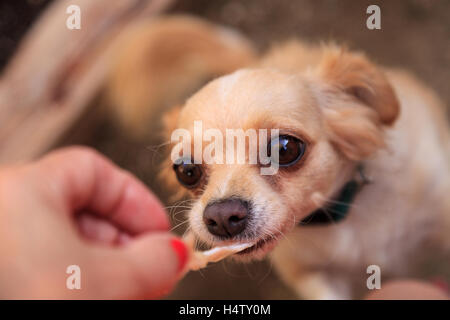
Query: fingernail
x: 182, y: 253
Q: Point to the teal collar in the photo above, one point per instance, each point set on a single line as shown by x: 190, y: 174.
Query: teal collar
x: 338, y: 209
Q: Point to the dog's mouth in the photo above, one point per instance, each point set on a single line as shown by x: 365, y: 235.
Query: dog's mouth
x: 257, y: 249
x: 263, y: 245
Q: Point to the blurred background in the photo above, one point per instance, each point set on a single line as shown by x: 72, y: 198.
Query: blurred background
x: 415, y: 35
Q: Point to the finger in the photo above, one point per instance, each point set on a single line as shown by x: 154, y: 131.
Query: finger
x: 98, y: 230
x: 82, y: 179
x: 148, y: 267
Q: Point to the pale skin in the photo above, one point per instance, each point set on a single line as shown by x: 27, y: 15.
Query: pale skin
x: 75, y: 207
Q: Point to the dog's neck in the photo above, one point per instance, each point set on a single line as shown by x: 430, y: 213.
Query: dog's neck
x: 337, y: 210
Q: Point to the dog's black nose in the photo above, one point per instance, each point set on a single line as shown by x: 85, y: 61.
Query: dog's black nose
x: 226, y: 218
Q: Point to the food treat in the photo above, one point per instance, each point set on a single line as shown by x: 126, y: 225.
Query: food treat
x: 199, y: 259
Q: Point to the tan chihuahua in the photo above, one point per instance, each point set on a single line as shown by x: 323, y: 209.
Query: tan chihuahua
x: 363, y: 152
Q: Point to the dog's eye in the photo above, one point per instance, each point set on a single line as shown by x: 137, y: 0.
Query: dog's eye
x: 188, y: 174
x: 290, y: 150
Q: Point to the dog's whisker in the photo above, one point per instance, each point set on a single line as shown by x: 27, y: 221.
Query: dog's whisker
x: 183, y: 202
x: 178, y: 225
x: 289, y: 242
x: 174, y: 215
x: 177, y: 206
x: 156, y: 148
x: 332, y: 201
x: 188, y: 229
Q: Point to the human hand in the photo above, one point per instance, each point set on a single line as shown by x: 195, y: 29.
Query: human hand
x: 74, y: 207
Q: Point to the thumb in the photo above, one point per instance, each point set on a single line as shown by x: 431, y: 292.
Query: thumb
x: 147, y: 267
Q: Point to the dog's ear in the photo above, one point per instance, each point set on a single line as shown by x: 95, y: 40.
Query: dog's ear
x: 358, y: 100
x: 357, y: 76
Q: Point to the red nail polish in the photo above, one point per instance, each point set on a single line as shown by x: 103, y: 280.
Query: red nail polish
x: 182, y: 253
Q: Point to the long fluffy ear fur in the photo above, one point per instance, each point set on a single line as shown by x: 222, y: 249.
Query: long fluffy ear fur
x: 354, y: 74
x: 358, y: 102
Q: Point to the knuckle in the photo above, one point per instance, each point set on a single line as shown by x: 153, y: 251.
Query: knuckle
x: 84, y: 157
x: 82, y: 153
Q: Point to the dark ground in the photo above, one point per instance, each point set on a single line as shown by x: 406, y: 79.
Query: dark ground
x: 415, y: 35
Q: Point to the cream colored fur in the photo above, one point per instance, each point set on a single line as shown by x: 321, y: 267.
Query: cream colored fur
x: 349, y: 111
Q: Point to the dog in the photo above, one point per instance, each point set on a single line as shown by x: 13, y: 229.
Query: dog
x: 364, y: 152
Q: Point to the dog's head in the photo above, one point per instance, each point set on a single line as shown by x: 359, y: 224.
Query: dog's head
x: 328, y: 118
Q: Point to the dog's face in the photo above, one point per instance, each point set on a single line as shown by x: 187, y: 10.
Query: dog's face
x: 324, y: 130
